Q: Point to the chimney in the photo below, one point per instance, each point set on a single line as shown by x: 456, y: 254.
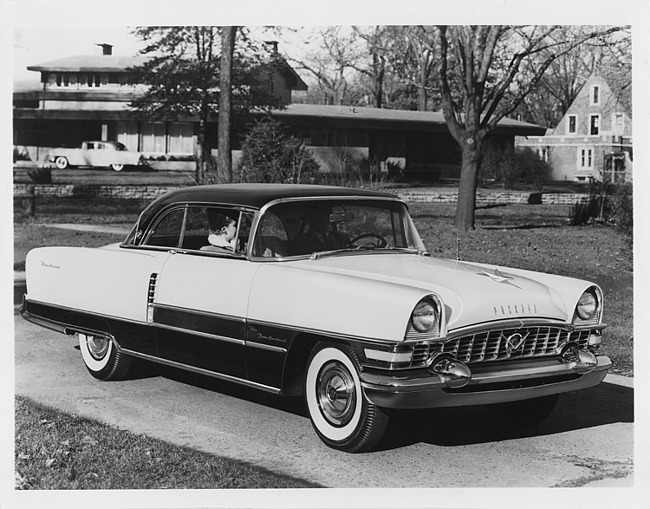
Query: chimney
x: 107, y: 49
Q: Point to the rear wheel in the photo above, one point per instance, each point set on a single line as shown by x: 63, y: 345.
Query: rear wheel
x: 102, y: 358
x: 117, y: 167
x: 528, y: 413
x: 342, y: 417
x: 61, y: 162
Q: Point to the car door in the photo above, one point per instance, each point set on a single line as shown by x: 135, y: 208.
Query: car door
x: 201, y: 301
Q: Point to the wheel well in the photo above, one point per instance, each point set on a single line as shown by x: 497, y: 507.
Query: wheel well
x: 296, y: 362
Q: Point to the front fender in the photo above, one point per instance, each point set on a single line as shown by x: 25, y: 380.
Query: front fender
x: 332, y: 304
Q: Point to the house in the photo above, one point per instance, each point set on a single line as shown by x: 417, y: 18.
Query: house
x: 86, y: 97
x: 594, y: 138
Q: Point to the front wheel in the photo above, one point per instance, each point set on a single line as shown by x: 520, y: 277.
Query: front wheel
x: 117, y: 167
x: 102, y: 358
x: 528, y: 413
x: 61, y: 162
x: 342, y: 417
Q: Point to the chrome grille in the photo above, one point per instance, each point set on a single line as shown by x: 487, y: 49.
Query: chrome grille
x: 491, y: 345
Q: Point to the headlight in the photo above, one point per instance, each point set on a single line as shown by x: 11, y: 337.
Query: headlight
x: 587, y: 307
x: 424, y: 317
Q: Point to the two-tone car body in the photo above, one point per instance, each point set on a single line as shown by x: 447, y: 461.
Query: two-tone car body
x: 328, y: 292
x: 103, y: 154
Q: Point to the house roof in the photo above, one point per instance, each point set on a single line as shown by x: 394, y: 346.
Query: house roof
x: 620, y: 83
x: 348, y: 116
x: 87, y: 63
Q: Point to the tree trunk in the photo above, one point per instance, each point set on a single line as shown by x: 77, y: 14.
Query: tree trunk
x: 201, y: 159
x: 466, y: 205
x: 224, y: 157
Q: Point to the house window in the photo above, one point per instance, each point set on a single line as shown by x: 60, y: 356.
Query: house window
x: 595, y: 95
x: 153, y: 137
x: 619, y: 123
x: 181, y: 138
x: 585, y: 158
x: 542, y: 153
x: 594, y: 125
x: 572, y: 124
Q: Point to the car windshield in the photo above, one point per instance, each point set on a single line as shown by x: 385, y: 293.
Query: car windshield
x: 300, y: 228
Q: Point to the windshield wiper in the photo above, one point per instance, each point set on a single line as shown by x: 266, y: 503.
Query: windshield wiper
x: 367, y: 249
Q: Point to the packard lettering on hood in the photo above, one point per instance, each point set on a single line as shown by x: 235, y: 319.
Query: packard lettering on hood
x: 326, y: 293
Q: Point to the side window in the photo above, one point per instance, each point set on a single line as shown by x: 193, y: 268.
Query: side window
x: 216, y: 229
x: 271, y: 234
x: 167, y: 232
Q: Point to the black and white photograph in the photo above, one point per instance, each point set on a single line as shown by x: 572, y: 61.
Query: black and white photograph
x: 325, y: 255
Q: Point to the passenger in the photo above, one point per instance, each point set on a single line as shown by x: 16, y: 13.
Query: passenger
x: 223, y: 233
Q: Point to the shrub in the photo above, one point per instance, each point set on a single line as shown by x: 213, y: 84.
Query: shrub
x: 583, y: 211
x: 513, y: 166
x: 21, y: 155
x: 621, y: 211
x: 271, y: 154
x: 41, y: 175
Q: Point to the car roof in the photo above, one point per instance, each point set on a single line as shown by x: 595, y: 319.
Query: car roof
x: 258, y: 195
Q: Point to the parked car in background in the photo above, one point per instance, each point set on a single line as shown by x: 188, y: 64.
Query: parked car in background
x: 111, y: 154
x: 324, y: 292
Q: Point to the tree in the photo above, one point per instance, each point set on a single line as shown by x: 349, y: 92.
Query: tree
x: 330, y: 64
x: 224, y: 161
x: 182, y: 79
x: 477, y: 76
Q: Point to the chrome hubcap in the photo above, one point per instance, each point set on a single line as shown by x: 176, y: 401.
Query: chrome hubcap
x: 336, y: 394
x: 97, y: 346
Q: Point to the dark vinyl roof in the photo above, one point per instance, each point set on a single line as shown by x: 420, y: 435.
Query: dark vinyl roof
x: 253, y: 195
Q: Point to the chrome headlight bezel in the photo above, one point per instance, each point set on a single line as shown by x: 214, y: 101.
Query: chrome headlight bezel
x: 589, y: 307
x: 426, y: 320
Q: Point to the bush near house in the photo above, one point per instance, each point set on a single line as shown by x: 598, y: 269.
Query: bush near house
x: 608, y: 202
x: 510, y: 167
x: 271, y: 154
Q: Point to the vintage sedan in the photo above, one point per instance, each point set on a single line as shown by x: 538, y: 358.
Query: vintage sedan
x: 110, y: 154
x: 324, y: 292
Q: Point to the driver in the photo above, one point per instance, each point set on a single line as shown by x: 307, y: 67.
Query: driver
x: 320, y: 234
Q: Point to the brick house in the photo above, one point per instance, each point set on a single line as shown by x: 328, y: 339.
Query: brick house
x: 594, y: 137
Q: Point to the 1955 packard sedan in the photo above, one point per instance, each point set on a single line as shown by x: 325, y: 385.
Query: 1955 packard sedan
x: 325, y: 292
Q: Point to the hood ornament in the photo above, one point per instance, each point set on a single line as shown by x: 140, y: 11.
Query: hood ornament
x: 497, y: 277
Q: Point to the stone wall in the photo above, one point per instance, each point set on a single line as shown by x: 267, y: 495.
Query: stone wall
x: 150, y: 192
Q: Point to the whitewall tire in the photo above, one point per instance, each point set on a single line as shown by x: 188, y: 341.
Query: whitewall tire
x: 61, y: 162
x: 341, y: 415
x: 102, y: 358
x: 117, y: 167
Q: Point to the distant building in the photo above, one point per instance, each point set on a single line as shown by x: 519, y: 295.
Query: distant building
x: 86, y: 97
x: 594, y: 138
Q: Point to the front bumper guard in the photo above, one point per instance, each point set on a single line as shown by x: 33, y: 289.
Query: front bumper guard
x: 452, y: 383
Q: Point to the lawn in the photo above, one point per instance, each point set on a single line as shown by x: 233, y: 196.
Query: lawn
x: 533, y: 237
x: 54, y: 450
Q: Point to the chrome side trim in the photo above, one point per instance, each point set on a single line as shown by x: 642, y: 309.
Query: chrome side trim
x: 324, y: 333
x: 227, y: 339
x: 200, y: 371
x: 270, y: 348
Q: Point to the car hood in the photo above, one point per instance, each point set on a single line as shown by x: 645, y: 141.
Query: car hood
x: 472, y: 293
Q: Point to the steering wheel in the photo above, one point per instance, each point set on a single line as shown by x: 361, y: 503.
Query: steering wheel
x: 379, y: 241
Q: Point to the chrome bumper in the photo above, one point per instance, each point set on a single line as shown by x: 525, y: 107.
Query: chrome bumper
x: 489, y: 384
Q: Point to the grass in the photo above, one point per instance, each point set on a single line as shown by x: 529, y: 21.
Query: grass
x: 55, y: 450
